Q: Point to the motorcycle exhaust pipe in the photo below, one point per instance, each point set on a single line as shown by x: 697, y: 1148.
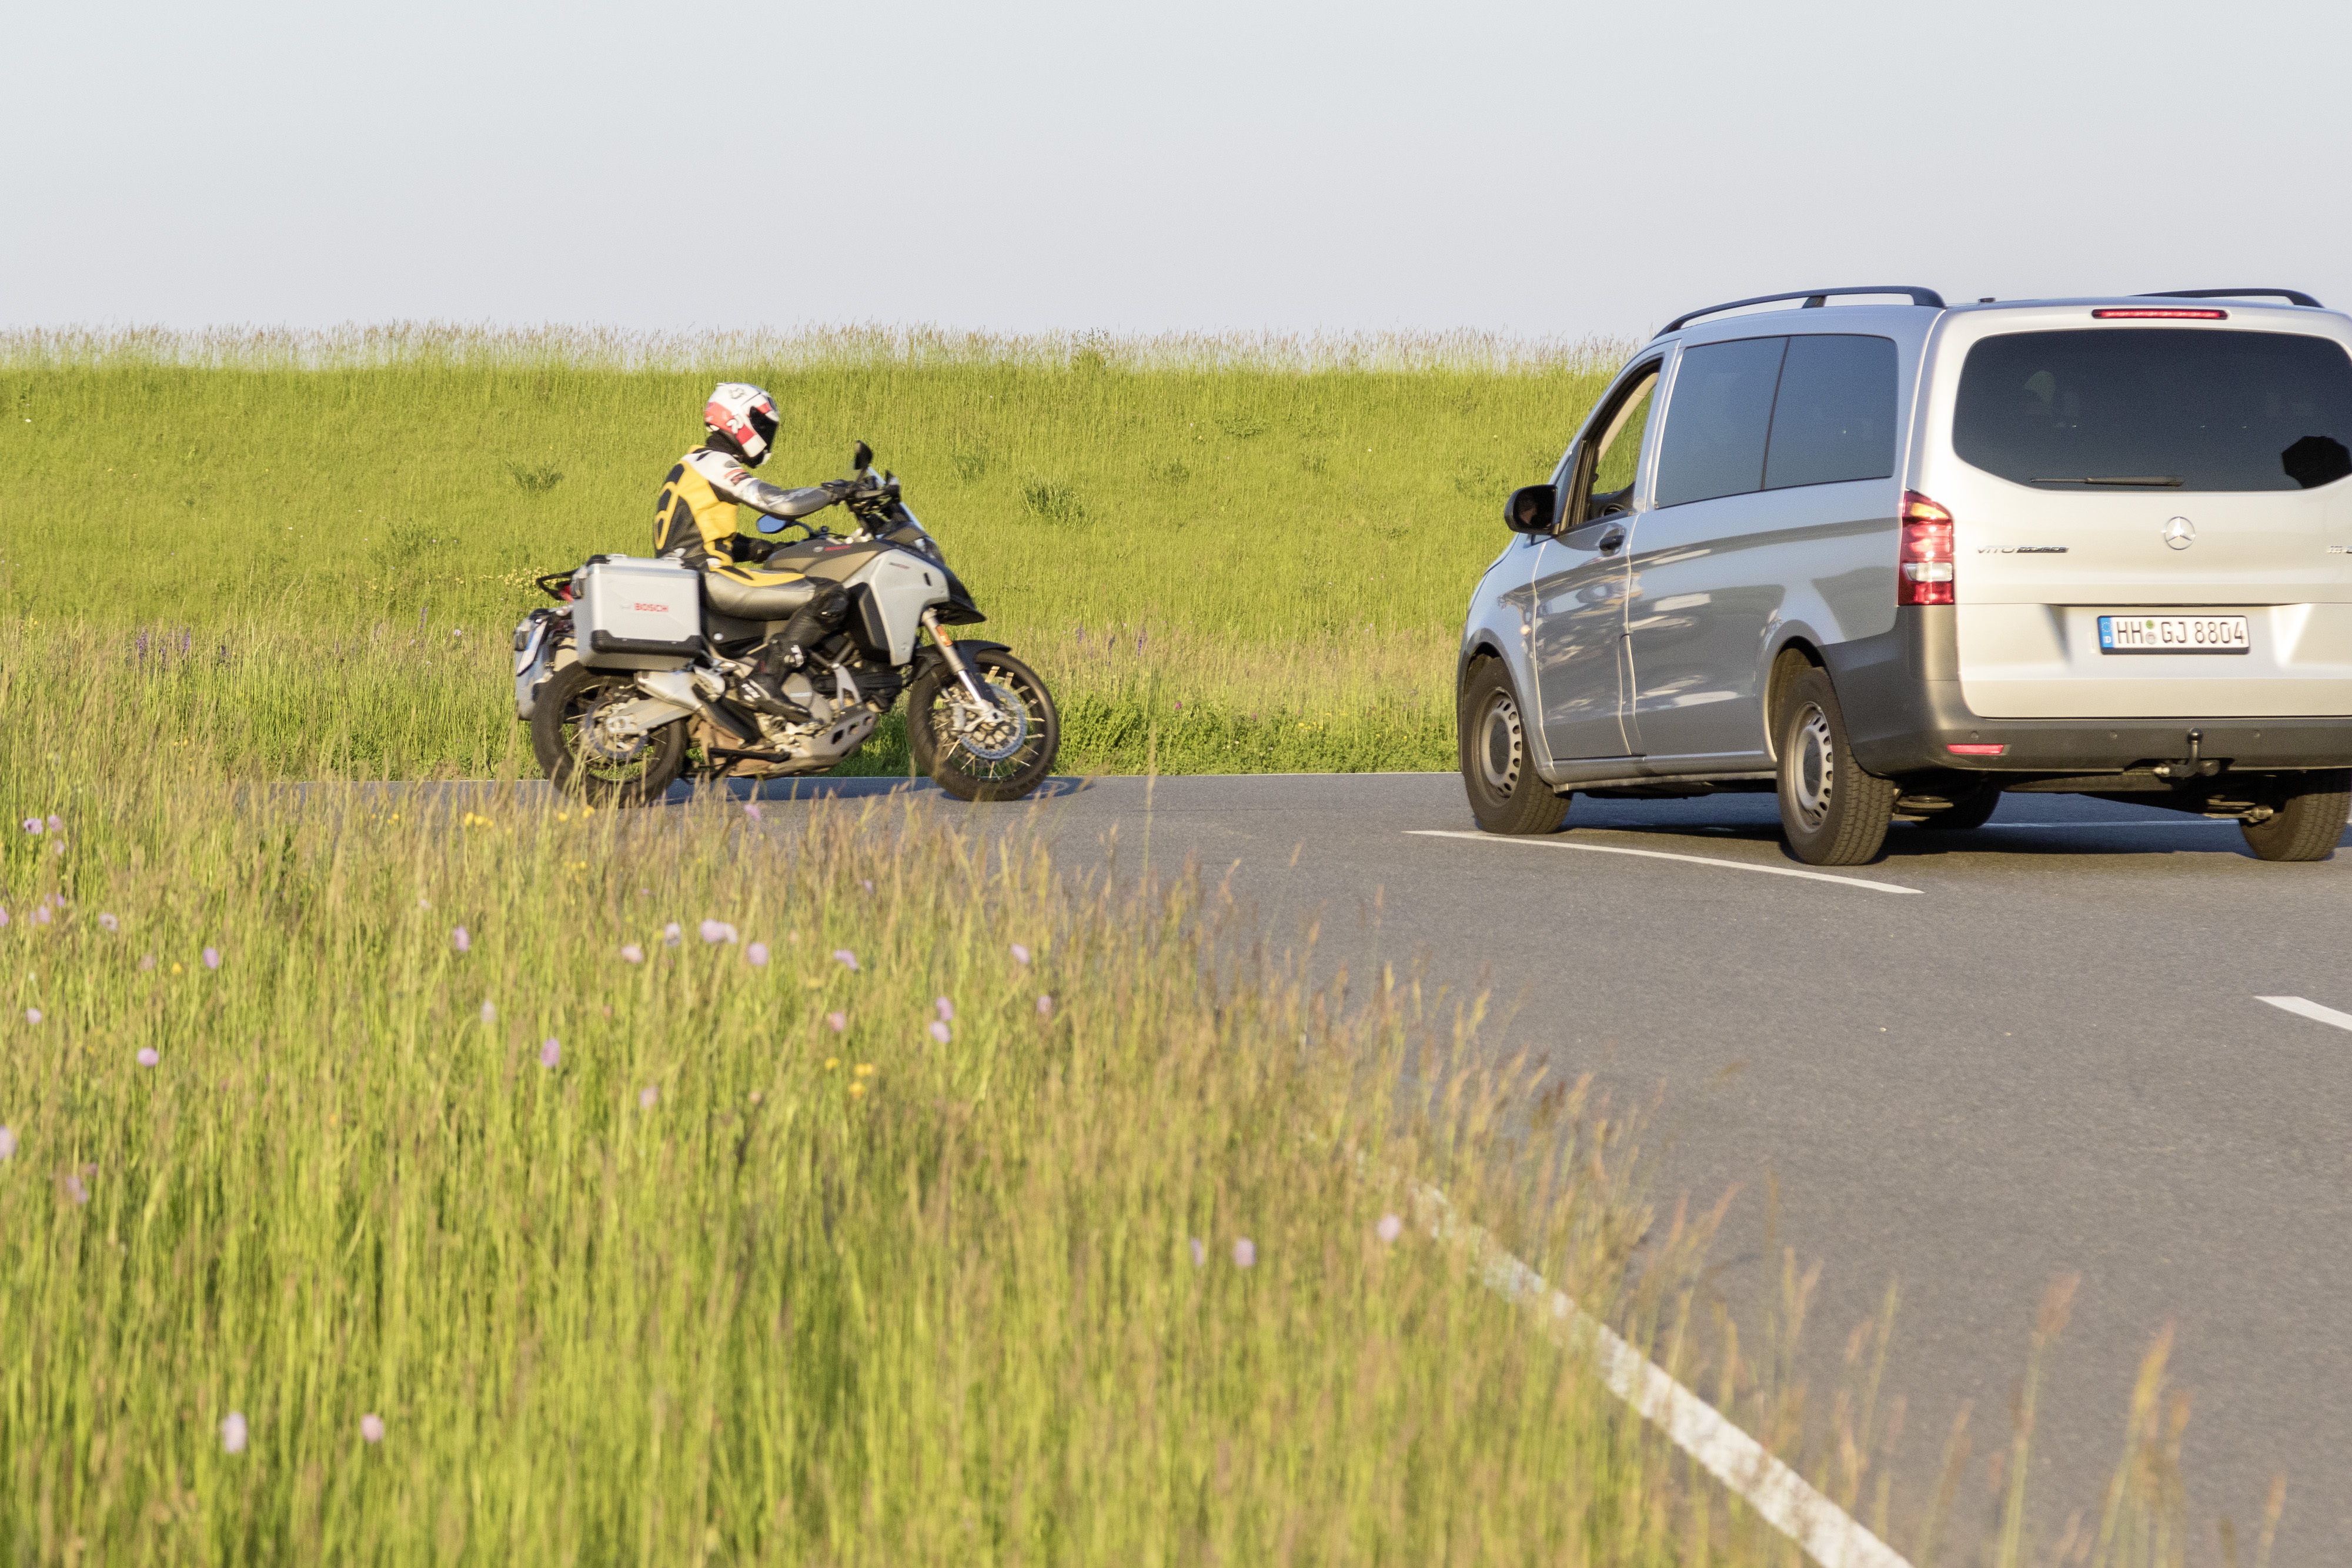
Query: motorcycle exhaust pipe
x: 677, y: 688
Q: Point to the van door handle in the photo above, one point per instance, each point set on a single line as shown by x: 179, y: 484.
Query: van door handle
x: 1611, y: 540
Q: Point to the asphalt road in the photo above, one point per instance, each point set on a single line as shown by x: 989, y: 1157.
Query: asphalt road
x: 2049, y: 1058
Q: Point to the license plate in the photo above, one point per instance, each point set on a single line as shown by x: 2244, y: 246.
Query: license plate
x: 2173, y: 634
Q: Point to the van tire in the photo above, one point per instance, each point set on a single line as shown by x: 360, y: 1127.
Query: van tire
x: 1832, y: 813
x: 1973, y: 810
x: 2308, y: 816
x: 1498, y: 770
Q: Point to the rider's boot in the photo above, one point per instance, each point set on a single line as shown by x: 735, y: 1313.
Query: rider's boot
x: 787, y: 650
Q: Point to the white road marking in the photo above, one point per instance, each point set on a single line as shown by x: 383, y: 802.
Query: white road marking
x: 1822, y: 1531
x: 2309, y: 1009
x: 1666, y: 855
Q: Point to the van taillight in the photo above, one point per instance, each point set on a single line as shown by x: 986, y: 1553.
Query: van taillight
x: 1926, y: 557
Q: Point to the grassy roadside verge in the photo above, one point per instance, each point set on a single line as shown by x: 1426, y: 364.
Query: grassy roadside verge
x: 924, y: 1207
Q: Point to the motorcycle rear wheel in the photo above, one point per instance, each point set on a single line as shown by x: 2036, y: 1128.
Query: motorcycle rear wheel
x: 1005, y: 762
x: 639, y: 777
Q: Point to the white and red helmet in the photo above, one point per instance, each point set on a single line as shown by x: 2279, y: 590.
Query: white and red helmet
x: 746, y: 416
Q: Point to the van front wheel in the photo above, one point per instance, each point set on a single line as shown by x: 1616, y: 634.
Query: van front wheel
x: 1498, y: 770
x: 2308, y: 816
x: 1832, y: 813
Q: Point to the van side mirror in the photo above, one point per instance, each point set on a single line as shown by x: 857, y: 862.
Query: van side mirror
x: 1532, y: 510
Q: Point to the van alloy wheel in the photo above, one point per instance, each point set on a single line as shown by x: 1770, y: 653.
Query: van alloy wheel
x: 1833, y: 812
x: 1813, y: 770
x: 1507, y: 795
x: 1502, y: 744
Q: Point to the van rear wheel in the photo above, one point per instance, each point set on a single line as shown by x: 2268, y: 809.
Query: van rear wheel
x: 1832, y: 813
x: 2308, y: 816
x: 1498, y: 770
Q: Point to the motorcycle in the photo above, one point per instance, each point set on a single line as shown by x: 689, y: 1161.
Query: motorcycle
x: 638, y: 676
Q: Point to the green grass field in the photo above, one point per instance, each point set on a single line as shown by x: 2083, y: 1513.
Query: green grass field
x: 1049, y: 1230
x: 1235, y: 556
x: 414, y: 1177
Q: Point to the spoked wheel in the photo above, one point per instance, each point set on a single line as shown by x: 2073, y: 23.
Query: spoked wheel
x: 1498, y: 771
x: 583, y: 754
x: 978, y: 756
x: 1832, y: 813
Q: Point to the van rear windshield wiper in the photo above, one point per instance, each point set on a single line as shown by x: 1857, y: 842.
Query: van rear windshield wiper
x: 2145, y: 481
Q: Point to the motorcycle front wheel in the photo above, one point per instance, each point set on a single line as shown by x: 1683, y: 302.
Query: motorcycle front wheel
x: 581, y: 761
x: 972, y: 756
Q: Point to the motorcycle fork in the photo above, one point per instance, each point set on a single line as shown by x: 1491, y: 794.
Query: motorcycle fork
x: 959, y: 666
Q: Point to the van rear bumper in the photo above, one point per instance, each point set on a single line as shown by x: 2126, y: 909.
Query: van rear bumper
x: 1900, y: 695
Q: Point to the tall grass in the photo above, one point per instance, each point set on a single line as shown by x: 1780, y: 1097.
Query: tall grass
x: 927, y: 1205
x: 1292, y: 525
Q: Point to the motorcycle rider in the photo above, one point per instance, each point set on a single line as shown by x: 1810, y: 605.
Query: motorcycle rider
x: 694, y: 521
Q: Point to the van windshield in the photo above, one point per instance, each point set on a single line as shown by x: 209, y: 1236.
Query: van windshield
x: 2157, y: 408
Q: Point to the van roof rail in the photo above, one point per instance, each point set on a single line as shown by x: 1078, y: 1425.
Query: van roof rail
x: 1813, y: 298
x: 2292, y: 296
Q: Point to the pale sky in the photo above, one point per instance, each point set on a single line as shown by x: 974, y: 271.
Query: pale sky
x: 1540, y: 169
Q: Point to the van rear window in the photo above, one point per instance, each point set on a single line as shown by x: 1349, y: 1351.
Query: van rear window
x: 2157, y: 408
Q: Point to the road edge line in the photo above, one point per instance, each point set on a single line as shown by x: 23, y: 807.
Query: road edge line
x: 1783, y: 1499
x: 1667, y: 855
x: 2303, y: 1007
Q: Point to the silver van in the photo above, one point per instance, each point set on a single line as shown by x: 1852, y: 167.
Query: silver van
x: 1891, y: 559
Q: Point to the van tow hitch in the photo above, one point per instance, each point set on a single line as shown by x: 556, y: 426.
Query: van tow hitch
x: 2194, y: 766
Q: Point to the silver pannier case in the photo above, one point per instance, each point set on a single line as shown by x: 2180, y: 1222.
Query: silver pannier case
x: 636, y: 614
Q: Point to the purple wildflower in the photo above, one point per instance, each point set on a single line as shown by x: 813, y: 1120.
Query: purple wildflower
x: 633, y: 953
x: 756, y: 955
x: 670, y: 932
x: 4, y: 917
x: 41, y: 914
x: 1389, y: 1228
x: 840, y: 1021
x: 7, y: 1143
x: 212, y: 957
x: 1019, y: 953
x: 148, y: 1056
x: 32, y: 824
x: 489, y: 1012
x: 1245, y: 1253
x: 372, y: 1427
x: 55, y: 825
x: 32, y: 1014
x: 146, y: 962
x: 946, y: 1008
x: 233, y: 1432
x: 76, y: 1191
x: 1044, y: 1007
x: 648, y: 1095
x: 716, y: 931
x: 846, y: 958
x: 1200, y: 1254
x: 461, y: 941
x: 940, y: 1032
x: 866, y: 882
x: 550, y: 1052
x: 751, y: 810
x: 108, y: 922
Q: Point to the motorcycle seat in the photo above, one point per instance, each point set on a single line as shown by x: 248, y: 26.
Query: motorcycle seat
x: 748, y: 593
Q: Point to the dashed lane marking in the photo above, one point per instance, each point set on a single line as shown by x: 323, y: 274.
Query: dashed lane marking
x: 2309, y: 1009
x: 1667, y: 855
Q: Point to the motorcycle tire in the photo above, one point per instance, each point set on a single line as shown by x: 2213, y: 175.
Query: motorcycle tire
x: 640, y: 777
x: 972, y: 766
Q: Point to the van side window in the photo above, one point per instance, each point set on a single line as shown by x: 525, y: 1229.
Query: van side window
x: 1609, y: 455
x: 1717, y: 420
x: 1835, y: 418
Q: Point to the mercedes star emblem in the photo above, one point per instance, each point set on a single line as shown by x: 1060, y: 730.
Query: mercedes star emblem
x: 2181, y: 533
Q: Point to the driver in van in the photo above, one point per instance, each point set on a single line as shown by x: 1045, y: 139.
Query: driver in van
x: 694, y: 522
